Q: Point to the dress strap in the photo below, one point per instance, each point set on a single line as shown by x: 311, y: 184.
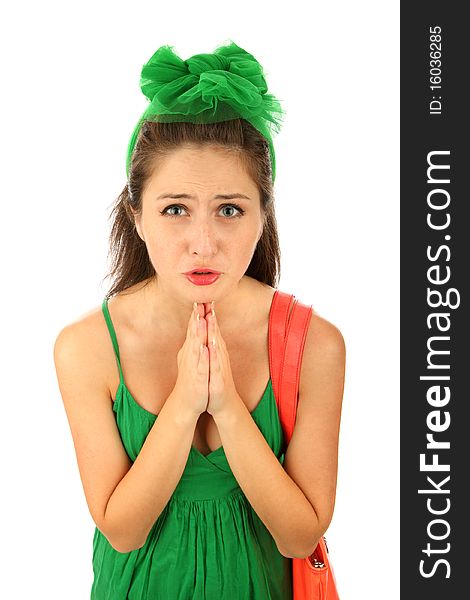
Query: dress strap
x: 112, y: 333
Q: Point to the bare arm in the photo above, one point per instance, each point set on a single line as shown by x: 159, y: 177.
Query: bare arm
x: 145, y: 490
x: 124, y: 498
x: 295, y: 500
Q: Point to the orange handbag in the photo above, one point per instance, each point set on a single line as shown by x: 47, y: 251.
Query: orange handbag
x: 312, y: 577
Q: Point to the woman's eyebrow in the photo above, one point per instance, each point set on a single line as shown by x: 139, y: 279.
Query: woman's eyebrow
x: 217, y: 197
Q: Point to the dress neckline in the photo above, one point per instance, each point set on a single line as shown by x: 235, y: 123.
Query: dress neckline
x: 152, y: 416
x: 122, y: 384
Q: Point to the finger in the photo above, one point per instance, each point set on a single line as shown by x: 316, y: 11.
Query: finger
x: 201, y: 329
x: 213, y: 330
x: 200, y: 309
x: 203, y: 362
x: 199, y: 339
x: 196, y: 335
x: 213, y: 353
x: 207, y: 308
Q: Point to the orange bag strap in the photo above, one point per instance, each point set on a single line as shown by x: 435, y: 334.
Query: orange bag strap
x: 286, y: 341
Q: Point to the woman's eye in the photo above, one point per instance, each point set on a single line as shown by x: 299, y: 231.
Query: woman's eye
x: 236, y: 207
x: 166, y: 211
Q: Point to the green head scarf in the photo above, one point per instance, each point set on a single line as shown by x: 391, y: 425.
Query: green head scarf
x: 208, y: 88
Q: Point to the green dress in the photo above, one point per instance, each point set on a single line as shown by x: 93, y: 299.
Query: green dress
x: 208, y: 543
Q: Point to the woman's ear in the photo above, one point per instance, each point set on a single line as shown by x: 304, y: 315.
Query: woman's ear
x: 138, y: 223
x: 138, y: 227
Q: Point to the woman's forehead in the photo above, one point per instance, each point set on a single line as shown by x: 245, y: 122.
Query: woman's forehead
x: 195, y: 171
x: 196, y: 158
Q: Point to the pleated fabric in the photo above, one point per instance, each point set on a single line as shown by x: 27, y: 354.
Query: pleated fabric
x: 208, y: 543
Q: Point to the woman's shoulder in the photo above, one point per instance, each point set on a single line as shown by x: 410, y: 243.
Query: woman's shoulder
x: 324, y: 340
x: 324, y: 336
x: 86, y: 324
x: 324, y: 354
x: 84, y: 342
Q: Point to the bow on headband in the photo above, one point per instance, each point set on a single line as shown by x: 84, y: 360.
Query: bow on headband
x: 208, y: 88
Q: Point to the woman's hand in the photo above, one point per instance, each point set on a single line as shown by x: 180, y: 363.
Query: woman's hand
x: 192, y: 383
x: 222, y: 390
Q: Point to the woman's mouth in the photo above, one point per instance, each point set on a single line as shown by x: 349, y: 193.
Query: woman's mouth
x: 201, y: 278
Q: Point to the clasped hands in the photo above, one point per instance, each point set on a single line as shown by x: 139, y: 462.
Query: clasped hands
x: 221, y: 387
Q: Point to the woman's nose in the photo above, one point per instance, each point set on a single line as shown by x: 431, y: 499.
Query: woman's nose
x: 203, y: 238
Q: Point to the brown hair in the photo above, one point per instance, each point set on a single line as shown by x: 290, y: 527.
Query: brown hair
x: 130, y: 262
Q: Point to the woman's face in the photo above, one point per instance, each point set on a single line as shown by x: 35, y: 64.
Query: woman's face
x: 200, y: 228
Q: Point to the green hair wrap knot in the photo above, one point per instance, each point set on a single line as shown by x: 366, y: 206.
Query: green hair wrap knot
x: 208, y: 88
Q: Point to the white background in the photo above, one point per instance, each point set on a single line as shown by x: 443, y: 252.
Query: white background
x: 71, y: 98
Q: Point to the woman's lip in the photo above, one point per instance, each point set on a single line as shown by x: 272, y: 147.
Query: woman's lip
x: 203, y: 270
x: 203, y: 279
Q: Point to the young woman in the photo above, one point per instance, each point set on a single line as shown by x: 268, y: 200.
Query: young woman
x: 167, y: 386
